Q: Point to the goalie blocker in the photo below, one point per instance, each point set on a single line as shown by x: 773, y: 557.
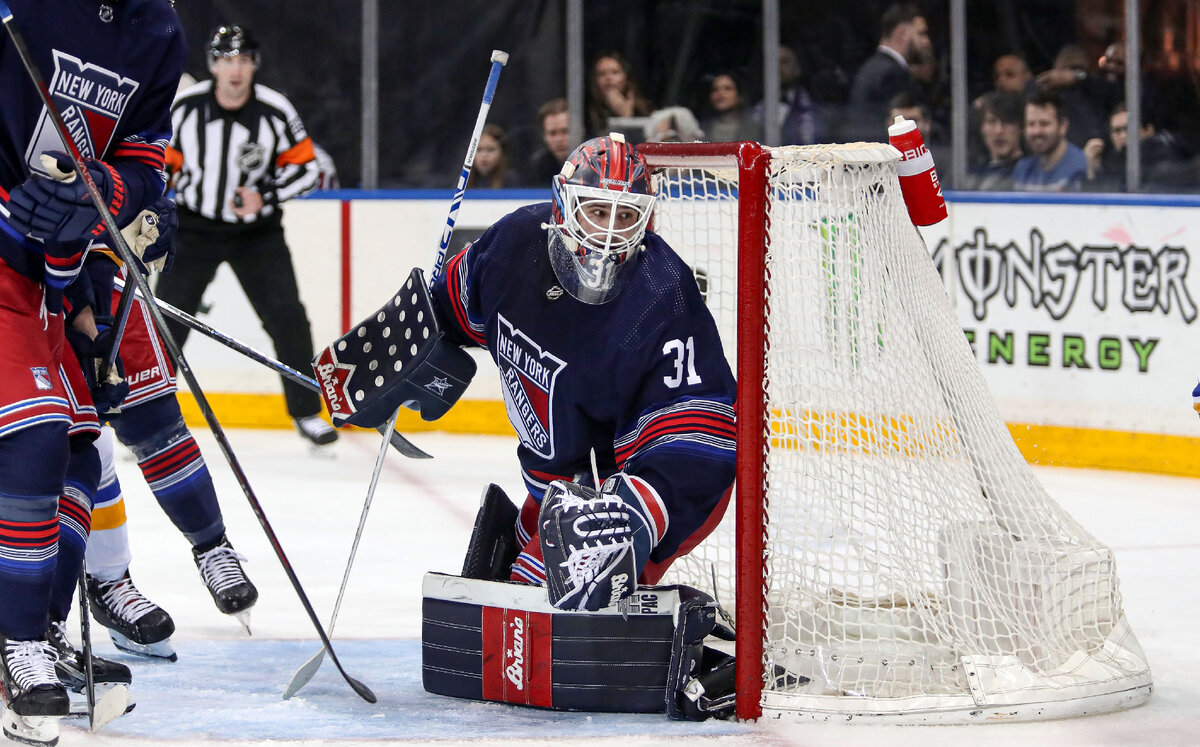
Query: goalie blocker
x: 396, y: 357
x: 502, y: 641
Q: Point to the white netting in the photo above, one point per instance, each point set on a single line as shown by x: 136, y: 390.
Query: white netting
x: 915, y: 566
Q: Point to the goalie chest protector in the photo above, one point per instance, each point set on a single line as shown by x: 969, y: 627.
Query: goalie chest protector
x: 502, y: 641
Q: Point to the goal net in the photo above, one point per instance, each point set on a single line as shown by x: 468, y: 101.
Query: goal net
x: 889, y: 554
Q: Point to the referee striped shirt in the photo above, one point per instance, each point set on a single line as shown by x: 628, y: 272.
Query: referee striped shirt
x: 262, y: 146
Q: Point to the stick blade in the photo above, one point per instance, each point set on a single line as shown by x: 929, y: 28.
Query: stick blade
x: 304, y: 674
x: 404, y: 446
x: 110, y: 705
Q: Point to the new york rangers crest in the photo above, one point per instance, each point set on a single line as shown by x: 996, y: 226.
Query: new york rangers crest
x: 92, y: 101
x: 527, y: 374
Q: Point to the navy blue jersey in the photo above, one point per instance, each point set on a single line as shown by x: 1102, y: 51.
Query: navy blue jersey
x: 113, y: 81
x: 642, y: 379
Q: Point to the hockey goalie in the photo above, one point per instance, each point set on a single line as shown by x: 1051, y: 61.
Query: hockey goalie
x: 615, y: 380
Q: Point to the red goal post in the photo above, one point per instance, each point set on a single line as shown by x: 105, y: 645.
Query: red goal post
x: 896, y: 559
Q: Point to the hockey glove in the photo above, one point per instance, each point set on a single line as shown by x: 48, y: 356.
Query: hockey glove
x: 107, y: 395
x: 595, y: 544
x: 151, y: 236
x: 59, y: 208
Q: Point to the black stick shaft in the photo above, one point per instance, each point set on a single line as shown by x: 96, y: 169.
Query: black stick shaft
x: 172, y: 346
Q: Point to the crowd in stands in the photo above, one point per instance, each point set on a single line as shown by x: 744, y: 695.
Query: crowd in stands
x: 1060, y: 129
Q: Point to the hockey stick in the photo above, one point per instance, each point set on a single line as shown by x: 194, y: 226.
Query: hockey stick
x: 127, y: 257
x: 399, y: 442
x: 310, y: 667
x: 114, y: 702
x: 499, y: 59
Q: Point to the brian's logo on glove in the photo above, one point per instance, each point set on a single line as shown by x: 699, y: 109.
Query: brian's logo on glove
x: 333, y: 378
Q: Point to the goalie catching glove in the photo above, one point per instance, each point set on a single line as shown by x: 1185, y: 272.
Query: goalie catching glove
x: 394, y: 358
x: 596, y: 543
x: 59, y: 208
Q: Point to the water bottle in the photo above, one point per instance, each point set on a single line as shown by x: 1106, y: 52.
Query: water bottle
x: 918, y: 178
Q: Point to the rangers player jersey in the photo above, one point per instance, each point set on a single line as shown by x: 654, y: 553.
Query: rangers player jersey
x: 112, y: 69
x: 642, y: 379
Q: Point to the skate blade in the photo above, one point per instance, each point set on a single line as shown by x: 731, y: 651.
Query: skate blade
x: 112, y: 700
x: 159, y: 650
x: 41, y: 731
x: 243, y: 617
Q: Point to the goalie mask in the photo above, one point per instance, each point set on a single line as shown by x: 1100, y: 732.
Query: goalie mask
x: 602, y: 204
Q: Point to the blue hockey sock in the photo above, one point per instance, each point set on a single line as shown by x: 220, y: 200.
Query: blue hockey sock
x: 74, y: 523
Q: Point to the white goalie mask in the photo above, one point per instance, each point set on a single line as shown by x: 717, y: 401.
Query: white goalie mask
x: 602, y: 204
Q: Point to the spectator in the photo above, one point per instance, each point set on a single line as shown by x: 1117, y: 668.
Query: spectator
x: 231, y: 182
x: 910, y: 107
x: 730, y: 120
x: 1002, y: 116
x: 555, y: 121
x: 800, y: 122
x: 490, y: 169
x: 612, y: 92
x: 1085, y: 96
x: 1011, y: 73
x: 1054, y: 164
x: 674, y: 124
x: 904, y: 37
x: 1167, y: 163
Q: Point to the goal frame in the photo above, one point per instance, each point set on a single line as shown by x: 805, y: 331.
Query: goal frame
x: 751, y: 161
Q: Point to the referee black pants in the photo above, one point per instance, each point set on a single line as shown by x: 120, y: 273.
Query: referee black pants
x: 260, y: 259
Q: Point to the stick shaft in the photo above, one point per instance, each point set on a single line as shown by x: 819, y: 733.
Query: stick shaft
x: 499, y: 59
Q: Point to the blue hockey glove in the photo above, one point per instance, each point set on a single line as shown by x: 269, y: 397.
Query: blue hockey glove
x: 596, y: 543
x: 151, y: 236
x: 59, y: 208
x: 107, y: 395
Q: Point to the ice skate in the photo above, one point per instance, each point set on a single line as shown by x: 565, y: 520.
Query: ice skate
x: 70, y: 665
x: 221, y: 570
x: 135, y: 624
x: 34, y: 698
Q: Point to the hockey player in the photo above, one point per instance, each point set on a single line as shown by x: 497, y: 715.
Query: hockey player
x: 605, y: 348
x: 112, y: 69
x: 151, y: 425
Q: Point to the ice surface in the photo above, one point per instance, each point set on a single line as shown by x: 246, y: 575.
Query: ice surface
x: 225, y: 688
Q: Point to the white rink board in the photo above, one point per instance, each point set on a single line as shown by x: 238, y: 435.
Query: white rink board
x: 1133, y: 323
x: 391, y: 236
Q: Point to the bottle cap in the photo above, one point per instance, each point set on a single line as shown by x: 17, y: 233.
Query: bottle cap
x: 901, y: 126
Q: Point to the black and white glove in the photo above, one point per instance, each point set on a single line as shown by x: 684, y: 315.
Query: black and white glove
x: 151, y: 236
x: 59, y: 208
x: 108, y: 394
x: 595, y: 543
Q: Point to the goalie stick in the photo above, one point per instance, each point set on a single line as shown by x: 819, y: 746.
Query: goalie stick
x: 39, y: 82
x: 398, y: 442
x: 499, y: 59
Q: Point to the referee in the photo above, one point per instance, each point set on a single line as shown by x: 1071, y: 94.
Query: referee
x: 238, y: 151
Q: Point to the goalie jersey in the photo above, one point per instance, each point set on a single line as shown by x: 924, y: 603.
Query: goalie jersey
x: 641, y: 379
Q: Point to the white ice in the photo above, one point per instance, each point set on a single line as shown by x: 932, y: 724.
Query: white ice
x: 225, y: 687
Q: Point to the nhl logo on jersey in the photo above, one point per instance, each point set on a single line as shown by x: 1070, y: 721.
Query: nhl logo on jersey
x: 251, y: 156
x: 41, y: 378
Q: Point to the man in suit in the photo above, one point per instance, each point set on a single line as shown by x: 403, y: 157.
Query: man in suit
x: 904, y: 36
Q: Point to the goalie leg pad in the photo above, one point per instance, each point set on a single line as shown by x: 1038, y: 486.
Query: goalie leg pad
x: 394, y: 358
x: 493, y: 546
x: 502, y: 642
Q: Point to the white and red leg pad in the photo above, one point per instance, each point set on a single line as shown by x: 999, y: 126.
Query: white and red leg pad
x: 502, y: 641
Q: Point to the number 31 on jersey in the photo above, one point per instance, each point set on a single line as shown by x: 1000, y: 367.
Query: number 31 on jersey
x: 685, y: 359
